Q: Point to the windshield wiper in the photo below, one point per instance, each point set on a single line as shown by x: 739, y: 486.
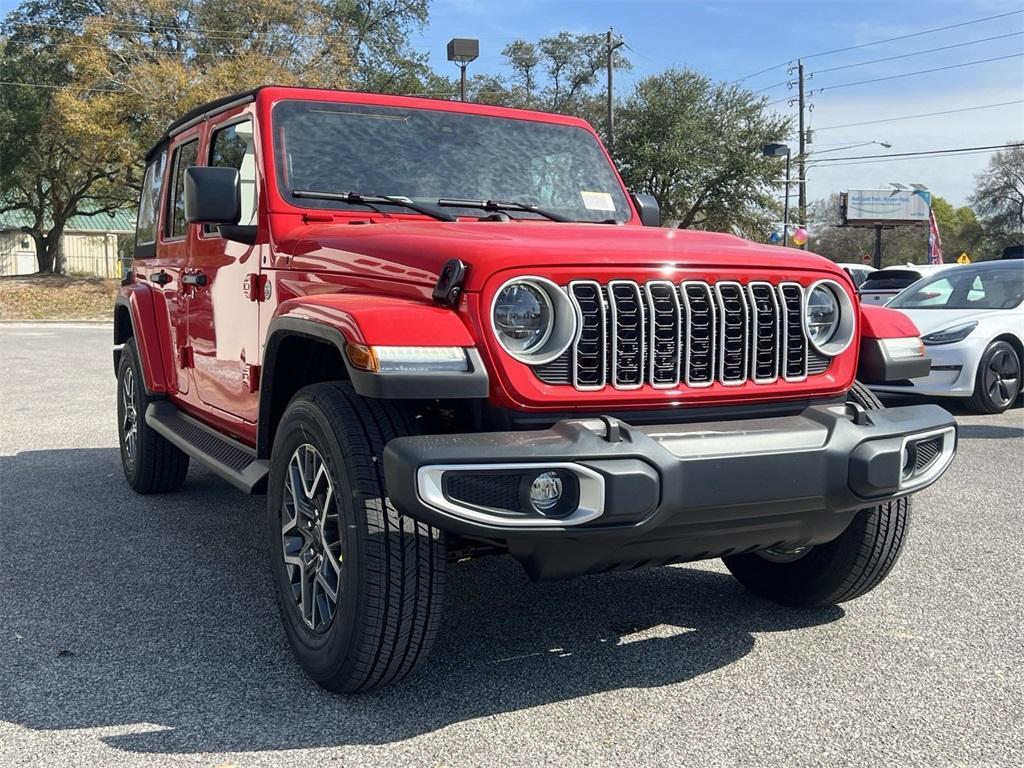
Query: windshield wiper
x: 362, y: 198
x: 500, y: 205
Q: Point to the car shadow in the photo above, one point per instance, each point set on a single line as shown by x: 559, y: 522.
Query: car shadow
x: 153, y: 616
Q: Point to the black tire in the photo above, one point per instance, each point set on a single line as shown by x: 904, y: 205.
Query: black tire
x: 845, y: 568
x: 151, y: 463
x: 998, y: 381
x: 387, y: 570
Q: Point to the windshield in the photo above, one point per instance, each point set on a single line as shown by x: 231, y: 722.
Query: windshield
x: 966, y: 289
x: 890, y: 279
x: 429, y: 155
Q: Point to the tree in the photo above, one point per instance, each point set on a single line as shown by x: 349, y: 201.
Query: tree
x: 999, y: 198
x: 696, y: 146
x: 116, y: 72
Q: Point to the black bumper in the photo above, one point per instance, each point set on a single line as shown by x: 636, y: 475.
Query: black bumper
x: 673, y: 492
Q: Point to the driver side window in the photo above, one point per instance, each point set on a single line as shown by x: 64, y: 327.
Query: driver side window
x: 233, y: 146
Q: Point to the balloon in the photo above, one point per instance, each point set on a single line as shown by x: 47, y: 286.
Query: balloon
x: 774, y: 238
x: 800, y: 236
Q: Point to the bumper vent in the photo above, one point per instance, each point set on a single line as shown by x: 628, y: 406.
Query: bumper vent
x: 695, y: 333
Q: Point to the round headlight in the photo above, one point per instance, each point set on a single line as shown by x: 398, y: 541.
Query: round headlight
x: 523, y: 317
x: 533, y: 319
x: 829, y: 317
x: 822, y: 315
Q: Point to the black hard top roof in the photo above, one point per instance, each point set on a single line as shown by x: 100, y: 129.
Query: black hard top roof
x: 200, y: 113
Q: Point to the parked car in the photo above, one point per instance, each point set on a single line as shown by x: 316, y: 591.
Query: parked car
x: 858, y: 272
x: 972, y: 322
x: 416, y: 327
x: 883, y: 285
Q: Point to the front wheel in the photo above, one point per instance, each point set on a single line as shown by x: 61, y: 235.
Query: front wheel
x: 997, y: 383
x: 840, y: 570
x: 360, y: 586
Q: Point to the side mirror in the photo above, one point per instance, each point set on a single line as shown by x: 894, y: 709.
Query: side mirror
x: 212, y: 195
x: 647, y: 207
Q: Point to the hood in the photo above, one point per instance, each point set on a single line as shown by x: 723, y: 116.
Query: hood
x: 415, y: 251
x: 931, y: 320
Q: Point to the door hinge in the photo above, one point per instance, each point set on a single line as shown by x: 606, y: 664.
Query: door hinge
x: 185, y: 357
x: 256, y: 287
x: 251, y: 377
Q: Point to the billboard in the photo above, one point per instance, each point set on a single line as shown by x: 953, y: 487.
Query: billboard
x: 888, y: 207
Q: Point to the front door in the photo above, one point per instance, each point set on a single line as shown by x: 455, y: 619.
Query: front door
x: 223, y: 305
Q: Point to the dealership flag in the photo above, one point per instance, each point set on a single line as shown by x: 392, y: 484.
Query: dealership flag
x: 934, y: 240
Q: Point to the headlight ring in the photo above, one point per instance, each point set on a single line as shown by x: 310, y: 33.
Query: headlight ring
x: 829, y: 320
x: 533, y: 319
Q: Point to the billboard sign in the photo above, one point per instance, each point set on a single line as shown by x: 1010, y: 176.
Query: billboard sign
x: 888, y: 207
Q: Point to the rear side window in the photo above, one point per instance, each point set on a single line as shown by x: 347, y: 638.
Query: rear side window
x: 233, y: 147
x: 185, y: 156
x: 890, y: 279
x: 149, y: 201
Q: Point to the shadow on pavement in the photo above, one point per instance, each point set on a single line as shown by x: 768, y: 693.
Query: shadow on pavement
x: 157, y: 613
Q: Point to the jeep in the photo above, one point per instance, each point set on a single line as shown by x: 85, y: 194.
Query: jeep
x: 431, y: 331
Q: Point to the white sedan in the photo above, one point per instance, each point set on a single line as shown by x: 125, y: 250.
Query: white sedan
x: 971, y: 320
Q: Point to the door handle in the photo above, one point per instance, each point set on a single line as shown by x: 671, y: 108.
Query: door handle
x: 160, y: 278
x: 196, y: 278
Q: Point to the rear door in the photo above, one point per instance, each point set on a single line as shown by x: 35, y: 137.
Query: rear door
x: 223, y: 323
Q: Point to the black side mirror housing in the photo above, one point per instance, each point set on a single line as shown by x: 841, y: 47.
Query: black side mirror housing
x: 647, y: 207
x: 212, y: 195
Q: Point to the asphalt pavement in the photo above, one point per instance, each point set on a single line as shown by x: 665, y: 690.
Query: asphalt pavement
x: 143, y: 631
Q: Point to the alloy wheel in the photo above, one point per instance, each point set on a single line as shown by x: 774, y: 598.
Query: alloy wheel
x: 311, y: 537
x: 1002, y: 377
x: 129, y: 419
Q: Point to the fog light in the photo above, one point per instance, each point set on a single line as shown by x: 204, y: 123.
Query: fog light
x: 546, y: 491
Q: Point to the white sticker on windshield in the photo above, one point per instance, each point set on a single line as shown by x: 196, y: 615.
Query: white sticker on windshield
x: 597, y: 201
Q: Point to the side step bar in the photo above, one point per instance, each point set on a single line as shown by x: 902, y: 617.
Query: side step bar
x: 233, y: 461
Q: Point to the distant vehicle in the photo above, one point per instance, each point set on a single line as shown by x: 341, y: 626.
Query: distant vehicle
x: 972, y: 322
x: 857, y: 272
x: 882, y: 285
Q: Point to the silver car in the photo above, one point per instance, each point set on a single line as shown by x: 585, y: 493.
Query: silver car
x: 971, y: 320
x: 882, y: 285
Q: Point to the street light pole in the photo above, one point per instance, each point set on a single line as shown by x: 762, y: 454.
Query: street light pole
x: 463, y: 50
x: 778, y: 150
x: 610, y: 46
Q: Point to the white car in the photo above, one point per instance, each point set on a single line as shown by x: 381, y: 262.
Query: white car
x: 971, y: 320
x: 882, y: 285
x: 857, y: 272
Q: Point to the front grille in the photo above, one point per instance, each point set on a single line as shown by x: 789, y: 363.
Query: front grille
x: 693, y: 333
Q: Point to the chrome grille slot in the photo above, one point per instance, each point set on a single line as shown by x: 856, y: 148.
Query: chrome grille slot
x: 732, y: 333
x: 626, y: 307
x: 765, y: 333
x: 691, y: 334
x: 665, y: 334
x: 589, y: 353
x: 700, y: 344
x: 794, y: 344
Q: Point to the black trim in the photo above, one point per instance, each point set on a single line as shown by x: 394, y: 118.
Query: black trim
x: 203, y: 112
x: 876, y: 367
x: 719, y: 487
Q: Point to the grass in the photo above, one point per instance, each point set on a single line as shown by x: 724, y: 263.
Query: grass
x: 56, y: 297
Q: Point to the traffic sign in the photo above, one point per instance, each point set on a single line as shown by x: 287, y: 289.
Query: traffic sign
x: 963, y: 258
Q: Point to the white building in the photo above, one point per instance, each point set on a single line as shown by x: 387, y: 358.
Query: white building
x: 89, y: 244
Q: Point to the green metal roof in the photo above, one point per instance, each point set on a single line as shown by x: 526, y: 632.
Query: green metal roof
x: 120, y: 221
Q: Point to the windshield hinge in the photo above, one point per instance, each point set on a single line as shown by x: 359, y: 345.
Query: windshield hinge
x: 449, y: 283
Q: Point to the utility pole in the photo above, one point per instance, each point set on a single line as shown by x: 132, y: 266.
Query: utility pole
x: 610, y: 46
x: 801, y: 167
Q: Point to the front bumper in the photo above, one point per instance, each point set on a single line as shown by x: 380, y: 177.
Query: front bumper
x: 671, y: 492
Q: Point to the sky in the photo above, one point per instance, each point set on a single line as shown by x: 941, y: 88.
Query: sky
x: 730, y: 39
x: 727, y: 40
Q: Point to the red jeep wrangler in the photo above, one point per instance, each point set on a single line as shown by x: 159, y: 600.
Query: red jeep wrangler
x: 431, y: 330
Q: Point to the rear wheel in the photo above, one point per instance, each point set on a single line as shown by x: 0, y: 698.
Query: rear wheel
x: 997, y: 383
x: 360, y: 586
x: 840, y: 570
x: 151, y: 463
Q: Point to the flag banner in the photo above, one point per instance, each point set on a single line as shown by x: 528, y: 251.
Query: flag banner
x: 934, y: 240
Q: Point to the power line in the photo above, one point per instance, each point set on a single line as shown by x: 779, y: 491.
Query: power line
x: 903, y: 159
x: 919, y: 72
x: 60, y: 87
x: 923, y: 114
x: 924, y: 153
x: 878, y: 42
x: 917, y: 53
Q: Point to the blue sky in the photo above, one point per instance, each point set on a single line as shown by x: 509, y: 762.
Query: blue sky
x: 729, y: 39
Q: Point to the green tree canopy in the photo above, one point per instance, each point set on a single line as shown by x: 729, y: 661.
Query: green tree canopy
x: 999, y: 198
x: 696, y: 146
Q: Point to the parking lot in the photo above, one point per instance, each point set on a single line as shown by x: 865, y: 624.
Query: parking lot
x: 143, y: 631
